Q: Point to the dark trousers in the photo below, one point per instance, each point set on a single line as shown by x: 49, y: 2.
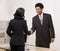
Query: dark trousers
x: 17, y: 48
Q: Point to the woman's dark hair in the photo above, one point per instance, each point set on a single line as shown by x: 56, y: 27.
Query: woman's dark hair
x: 39, y: 5
x: 19, y: 14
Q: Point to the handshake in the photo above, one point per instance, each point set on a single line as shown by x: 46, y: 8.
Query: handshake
x: 25, y: 35
x: 30, y: 32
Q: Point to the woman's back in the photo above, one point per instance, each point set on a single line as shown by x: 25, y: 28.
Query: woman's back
x: 18, y: 28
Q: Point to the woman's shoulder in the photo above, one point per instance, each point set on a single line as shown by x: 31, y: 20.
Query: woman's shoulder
x: 13, y: 20
x: 24, y: 21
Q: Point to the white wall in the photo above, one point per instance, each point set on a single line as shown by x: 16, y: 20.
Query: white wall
x: 56, y: 15
x: 8, y: 8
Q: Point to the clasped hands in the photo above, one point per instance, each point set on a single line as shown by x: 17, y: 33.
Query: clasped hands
x: 30, y: 32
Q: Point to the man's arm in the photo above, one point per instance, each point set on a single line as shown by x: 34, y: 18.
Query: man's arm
x: 51, y: 28
x: 33, y: 26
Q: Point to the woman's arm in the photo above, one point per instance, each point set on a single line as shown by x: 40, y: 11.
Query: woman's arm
x: 9, y: 29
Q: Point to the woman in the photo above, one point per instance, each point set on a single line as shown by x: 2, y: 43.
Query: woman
x: 17, y: 30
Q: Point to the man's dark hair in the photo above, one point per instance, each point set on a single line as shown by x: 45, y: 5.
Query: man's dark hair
x: 19, y: 14
x: 39, y: 5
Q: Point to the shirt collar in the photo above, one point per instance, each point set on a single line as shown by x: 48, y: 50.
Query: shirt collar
x: 41, y: 15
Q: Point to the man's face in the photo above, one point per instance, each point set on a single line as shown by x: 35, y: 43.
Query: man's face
x: 39, y: 10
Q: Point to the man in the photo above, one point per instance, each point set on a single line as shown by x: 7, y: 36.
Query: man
x: 43, y: 25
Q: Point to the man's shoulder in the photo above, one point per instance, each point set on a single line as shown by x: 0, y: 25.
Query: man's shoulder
x: 35, y: 16
x: 47, y: 14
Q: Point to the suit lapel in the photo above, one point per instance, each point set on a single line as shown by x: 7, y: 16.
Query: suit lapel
x: 38, y: 20
x: 44, y: 19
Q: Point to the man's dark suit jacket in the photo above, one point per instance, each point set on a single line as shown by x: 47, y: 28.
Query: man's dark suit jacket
x: 44, y: 32
x: 17, y: 30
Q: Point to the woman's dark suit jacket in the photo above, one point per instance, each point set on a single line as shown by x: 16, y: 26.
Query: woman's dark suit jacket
x: 17, y: 30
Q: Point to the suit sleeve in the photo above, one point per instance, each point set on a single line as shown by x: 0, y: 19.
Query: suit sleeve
x: 25, y: 30
x: 9, y: 29
x: 51, y: 27
x: 25, y: 27
x: 33, y: 25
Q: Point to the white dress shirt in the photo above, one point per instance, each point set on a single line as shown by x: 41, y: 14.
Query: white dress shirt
x: 41, y: 18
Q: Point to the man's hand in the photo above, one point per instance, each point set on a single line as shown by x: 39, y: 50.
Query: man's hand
x: 29, y: 32
x: 52, y: 40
